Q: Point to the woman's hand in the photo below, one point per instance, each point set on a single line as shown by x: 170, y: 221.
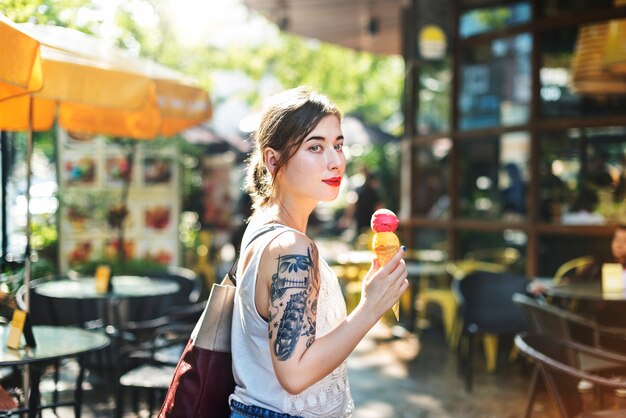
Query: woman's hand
x: 383, y: 286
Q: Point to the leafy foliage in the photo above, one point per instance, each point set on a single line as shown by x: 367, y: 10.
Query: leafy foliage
x: 58, y: 12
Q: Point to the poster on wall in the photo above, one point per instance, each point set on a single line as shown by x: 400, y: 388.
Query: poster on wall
x: 217, y: 194
x: 157, y: 170
x: 94, y: 173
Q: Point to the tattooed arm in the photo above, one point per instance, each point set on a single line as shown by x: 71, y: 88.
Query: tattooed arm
x: 289, y: 277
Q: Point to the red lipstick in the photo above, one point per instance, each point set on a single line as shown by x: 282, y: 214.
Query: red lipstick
x: 333, y: 181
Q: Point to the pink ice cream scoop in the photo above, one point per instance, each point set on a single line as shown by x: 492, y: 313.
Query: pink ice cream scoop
x: 384, y: 220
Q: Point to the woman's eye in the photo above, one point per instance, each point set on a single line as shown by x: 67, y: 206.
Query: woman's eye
x: 315, y: 148
x: 339, y: 147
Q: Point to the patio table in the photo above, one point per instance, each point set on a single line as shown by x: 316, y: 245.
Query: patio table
x: 54, y: 343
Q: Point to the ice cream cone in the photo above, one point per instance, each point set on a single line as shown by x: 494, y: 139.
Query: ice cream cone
x: 385, y: 243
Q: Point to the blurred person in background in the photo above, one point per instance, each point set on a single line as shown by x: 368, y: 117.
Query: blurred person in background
x: 359, y: 213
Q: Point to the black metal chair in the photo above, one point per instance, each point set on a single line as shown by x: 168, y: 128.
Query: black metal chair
x: 545, y: 319
x: 51, y: 311
x: 486, y: 308
x: 552, y: 356
x: 148, y: 363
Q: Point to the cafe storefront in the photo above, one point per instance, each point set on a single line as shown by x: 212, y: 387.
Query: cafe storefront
x: 517, y: 132
x: 515, y: 118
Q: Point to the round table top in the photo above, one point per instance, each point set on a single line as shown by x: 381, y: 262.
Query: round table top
x: 586, y: 291
x: 52, y: 343
x: 124, y: 287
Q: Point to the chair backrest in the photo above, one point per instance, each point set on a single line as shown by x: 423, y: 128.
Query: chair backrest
x: 551, y: 358
x: 53, y: 311
x: 142, y: 309
x: 458, y: 269
x: 575, y: 265
x: 501, y: 255
x: 189, y: 282
x: 542, y: 318
x: 485, y: 299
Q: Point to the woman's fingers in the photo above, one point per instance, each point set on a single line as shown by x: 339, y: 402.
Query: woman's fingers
x: 391, y: 265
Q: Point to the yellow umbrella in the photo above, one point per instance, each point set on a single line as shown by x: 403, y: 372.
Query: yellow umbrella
x: 20, y: 66
x: 96, y: 88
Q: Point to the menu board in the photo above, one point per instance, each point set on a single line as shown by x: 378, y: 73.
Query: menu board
x: 92, y: 175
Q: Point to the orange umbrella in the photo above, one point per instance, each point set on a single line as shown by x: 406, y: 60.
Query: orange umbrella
x: 96, y: 88
x: 20, y: 72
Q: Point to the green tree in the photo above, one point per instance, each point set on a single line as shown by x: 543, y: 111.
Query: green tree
x: 58, y: 12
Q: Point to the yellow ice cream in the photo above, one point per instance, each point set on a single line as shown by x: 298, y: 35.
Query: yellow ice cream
x: 385, y: 245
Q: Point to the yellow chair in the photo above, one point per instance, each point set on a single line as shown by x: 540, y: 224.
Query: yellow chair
x: 458, y: 269
x: 576, y: 265
x: 364, y: 241
x: 434, y: 287
x: 505, y: 256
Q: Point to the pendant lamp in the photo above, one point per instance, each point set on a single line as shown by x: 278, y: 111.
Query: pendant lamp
x: 615, y: 46
x: 589, y: 75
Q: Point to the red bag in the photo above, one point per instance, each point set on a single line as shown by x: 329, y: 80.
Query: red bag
x: 203, y: 379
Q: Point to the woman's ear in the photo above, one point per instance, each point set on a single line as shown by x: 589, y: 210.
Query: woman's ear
x: 270, y: 159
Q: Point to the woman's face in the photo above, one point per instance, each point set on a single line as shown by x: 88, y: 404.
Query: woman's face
x: 316, y: 169
x: 618, y: 246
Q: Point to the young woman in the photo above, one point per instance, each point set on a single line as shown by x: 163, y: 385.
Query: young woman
x: 291, y: 336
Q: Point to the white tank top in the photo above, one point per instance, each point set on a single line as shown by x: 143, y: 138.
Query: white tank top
x: 252, y: 363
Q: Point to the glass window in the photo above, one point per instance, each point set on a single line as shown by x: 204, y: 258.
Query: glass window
x: 554, y: 250
x: 434, y: 97
x: 493, y: 177
x: 576, y: 84
x: 495, y: 80
x: 433, y: 172
x: 551, y: 8
x: 583, y: 176
x: 484, y: 20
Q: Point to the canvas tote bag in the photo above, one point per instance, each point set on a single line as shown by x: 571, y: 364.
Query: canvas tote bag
x: 203, y: 379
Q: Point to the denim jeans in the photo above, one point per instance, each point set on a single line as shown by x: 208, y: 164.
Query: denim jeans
x: 239, y: 410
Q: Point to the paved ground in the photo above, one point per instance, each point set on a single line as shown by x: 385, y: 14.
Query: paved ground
x: 394, y: 377
x: 417, y: 377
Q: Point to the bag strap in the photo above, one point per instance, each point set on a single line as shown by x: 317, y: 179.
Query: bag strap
x: 262, y: 231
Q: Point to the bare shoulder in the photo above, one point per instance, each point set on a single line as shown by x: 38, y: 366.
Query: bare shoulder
x: 289, y: 247
x: 288, y: 241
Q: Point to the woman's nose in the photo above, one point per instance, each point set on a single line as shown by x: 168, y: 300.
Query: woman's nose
x: 334, y: 160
